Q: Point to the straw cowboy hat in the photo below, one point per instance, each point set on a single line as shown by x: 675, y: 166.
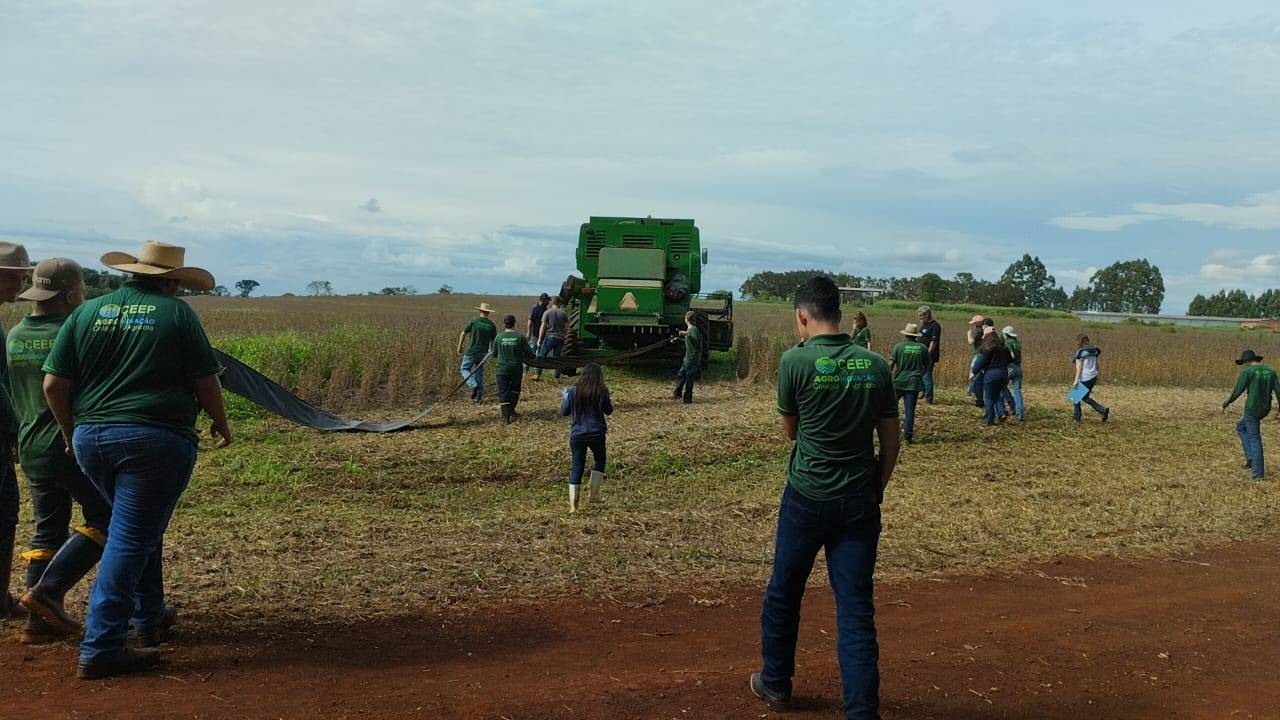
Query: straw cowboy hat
x: 14, y: 257
x: 484, y: 308
x: 161, y: 260
x: 911, y: 330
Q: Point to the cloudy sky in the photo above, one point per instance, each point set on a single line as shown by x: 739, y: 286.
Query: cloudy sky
x: 414, y: 143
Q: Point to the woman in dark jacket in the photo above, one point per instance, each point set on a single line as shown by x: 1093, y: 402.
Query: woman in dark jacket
x: 993, y: 367
x: 586, y: 404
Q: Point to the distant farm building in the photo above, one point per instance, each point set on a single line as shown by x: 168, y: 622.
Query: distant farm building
x: 865, y: 295
x: 1183, y: 320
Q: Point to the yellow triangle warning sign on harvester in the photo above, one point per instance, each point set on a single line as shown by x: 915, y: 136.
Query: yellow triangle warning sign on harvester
x: 628, y: 302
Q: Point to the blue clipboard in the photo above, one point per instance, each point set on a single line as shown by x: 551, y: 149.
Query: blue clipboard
x: 1077, y: 394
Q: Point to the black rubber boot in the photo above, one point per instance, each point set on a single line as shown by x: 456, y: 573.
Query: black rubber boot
x: 74, y: 560
x: 9, y: 607
x: 37, y: 631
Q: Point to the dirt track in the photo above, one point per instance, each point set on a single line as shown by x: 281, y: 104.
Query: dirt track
x: 1193, y: 637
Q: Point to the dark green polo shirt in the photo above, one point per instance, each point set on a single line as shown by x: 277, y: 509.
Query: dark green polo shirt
x: 40, y: 447
x: 133, y: 355
x: 482, y: 331
x: 863, y: 337
x: 1261, y: 383
x: 510, y: 350
x: 838, y: 393
x: 910, y: 363
x: 693, y: 346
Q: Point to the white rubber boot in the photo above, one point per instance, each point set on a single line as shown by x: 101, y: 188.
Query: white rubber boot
x: 573, y: 498
x: 597, y: 478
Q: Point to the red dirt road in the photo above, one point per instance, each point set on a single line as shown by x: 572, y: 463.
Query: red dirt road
x: 1195, y: 637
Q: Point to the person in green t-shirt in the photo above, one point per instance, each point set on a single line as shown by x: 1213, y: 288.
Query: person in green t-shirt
x: 126, y: 378
x: 57, y: 559
x: 909, y: 362
x: 511, y: 351
x: 691, y: 366
x: 974, y: 336
x: 474, y: 345
x: 861, y: 330
x: 835, y: 398
x: 1261, y: 383
x: 1012, y: 395
x: 15, y: 266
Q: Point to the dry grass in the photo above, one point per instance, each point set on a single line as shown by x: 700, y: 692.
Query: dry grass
x: 292, y: 523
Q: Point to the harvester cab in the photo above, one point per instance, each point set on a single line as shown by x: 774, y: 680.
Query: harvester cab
x: 639, y: 276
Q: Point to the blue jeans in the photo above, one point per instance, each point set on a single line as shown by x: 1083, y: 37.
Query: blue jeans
x: 1088, y: 400
x: 685, y: 377
x: 142, y: 471
x: 1251, y: 440
x: 578, y: 448
x: 975, y: 385
x: 928, y: 385
x: 1013, y: 394
x: 994, y: 382
x: 849, y: 530
x: 476, y: 381
x: 551, y: 347
x: 909, y: 400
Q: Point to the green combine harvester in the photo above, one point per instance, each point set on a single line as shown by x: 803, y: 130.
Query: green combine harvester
x: 639, y: 276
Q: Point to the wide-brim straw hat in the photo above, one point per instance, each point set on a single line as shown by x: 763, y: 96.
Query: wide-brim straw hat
x: 14, y: 257
x: 911, y: 330
x: 484, y: 308
x: 161, y: 260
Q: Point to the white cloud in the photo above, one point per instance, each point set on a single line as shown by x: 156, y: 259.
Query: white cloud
x: 1259, y: 211
x: 1231, y: 268
x: 1100, y: 223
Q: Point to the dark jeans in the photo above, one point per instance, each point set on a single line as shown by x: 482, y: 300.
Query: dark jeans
x: 509, y: 389
x: 578, y: 452
x: 849, y: 530
x: 551, y: 347
x: 909, y: 400
x: 1088, y: 400
x: 685, y: 377
x: 928, y: 386
x: 143, y: 471
x: 994, y: 382
x: 51, y: 499
x: 8, y: 502
x: 1251, y: 441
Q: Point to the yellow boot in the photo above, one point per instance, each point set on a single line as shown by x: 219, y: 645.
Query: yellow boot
x: 573, y: 498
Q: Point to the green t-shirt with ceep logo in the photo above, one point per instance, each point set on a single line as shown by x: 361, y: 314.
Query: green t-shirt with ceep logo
x: 40, y: 447
x: 1260, y: 382
x: 838, y: 393
x: 910, y: 363
x: 510, y: 350
x: 133, y: 355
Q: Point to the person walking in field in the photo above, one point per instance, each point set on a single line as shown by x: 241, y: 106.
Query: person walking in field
x: 126, y: 378
x: 57, y: 559
x: 974, y: 336
x: 474, y: 344
x: 909, y: 362
x: 15, y: 266
x: 1013, y: 393
x: 861, y: 331
x: 835, y: 398
x: 1088, y: 372
x: 691, y: 367
x: 587, y: 405
x: 931, y: 338
x: 993, y: 368
x: 551, y: 336
x: 511, y: 350
x: 534, y: 325
x: 1260, y: 383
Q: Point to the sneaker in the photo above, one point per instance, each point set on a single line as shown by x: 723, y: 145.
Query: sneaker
x: 765, y: 693
x: 159, y: 634
x: 38, y: 632
x: 128, y: 661
x: 1106, y: 413
x: 51, y: 612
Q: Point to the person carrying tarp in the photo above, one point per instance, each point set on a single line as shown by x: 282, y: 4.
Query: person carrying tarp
x: 15, y: 265
x: 473, y: 345
x: 126, y: 379
x: 58, y: 559
x: 1260, y: 382
x: 511, y: 351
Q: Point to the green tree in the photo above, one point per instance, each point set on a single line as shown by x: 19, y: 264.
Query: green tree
x: 445, y: 290
x: 1134, y: 286
x: 1268, y: 304
x: 319, y: 288
x: 932, y: 288
x: 1032, y: 280
x: 1083, y: 298
x: 246, y: 287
